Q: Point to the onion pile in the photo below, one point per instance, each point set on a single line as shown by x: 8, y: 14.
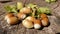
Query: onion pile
x: 31, y: 15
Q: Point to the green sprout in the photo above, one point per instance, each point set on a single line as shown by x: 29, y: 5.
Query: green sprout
x: 19, y: 5
x: 43, y: 10
x: 32, y: 5
x: 50, y: 1
x: 11, y: 8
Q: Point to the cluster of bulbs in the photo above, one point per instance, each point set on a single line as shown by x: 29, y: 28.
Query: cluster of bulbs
x: 28, y: 18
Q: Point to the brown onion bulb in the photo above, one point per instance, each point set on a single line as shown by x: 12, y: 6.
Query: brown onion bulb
x: 9, y: 15
x: 12, y: 20
x: 25, y: 10
x: 45, y: 21
x: 30, y: 18
x: 37, y: 24
x: 21, y: 15
x: 27, y: 24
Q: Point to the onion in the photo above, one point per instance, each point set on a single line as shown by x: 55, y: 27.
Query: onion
x: 12, y: 20
x: 37, y: 24
x: 30, y: 18
x: 21, y: 15
x: 45, y: 21
x: 25, y: 10
x: 27, y: 24
x: 9, y: 15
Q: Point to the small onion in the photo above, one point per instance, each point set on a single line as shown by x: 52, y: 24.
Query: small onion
x: 12, y: 20
x: 9, y: 15
x: 27, y: 24
x: 25, y: 10
x: 37, y: 24
x: 30, y: 18
x: 21, y: 15
x: 45, y: 21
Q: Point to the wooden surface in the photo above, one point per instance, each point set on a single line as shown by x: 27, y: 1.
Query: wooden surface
x: 53, y: 28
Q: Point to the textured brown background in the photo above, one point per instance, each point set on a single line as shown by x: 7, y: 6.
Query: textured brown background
x: 19, y: 29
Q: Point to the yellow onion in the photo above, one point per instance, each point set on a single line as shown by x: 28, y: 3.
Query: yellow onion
x: 12, y: 20
x: 21, y: 15
x: 37, y: 24
x: 9, y: 15
x: 25, y: 10
x: 28, y: 24
x: 45, y: 21
x: 30, y: 18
